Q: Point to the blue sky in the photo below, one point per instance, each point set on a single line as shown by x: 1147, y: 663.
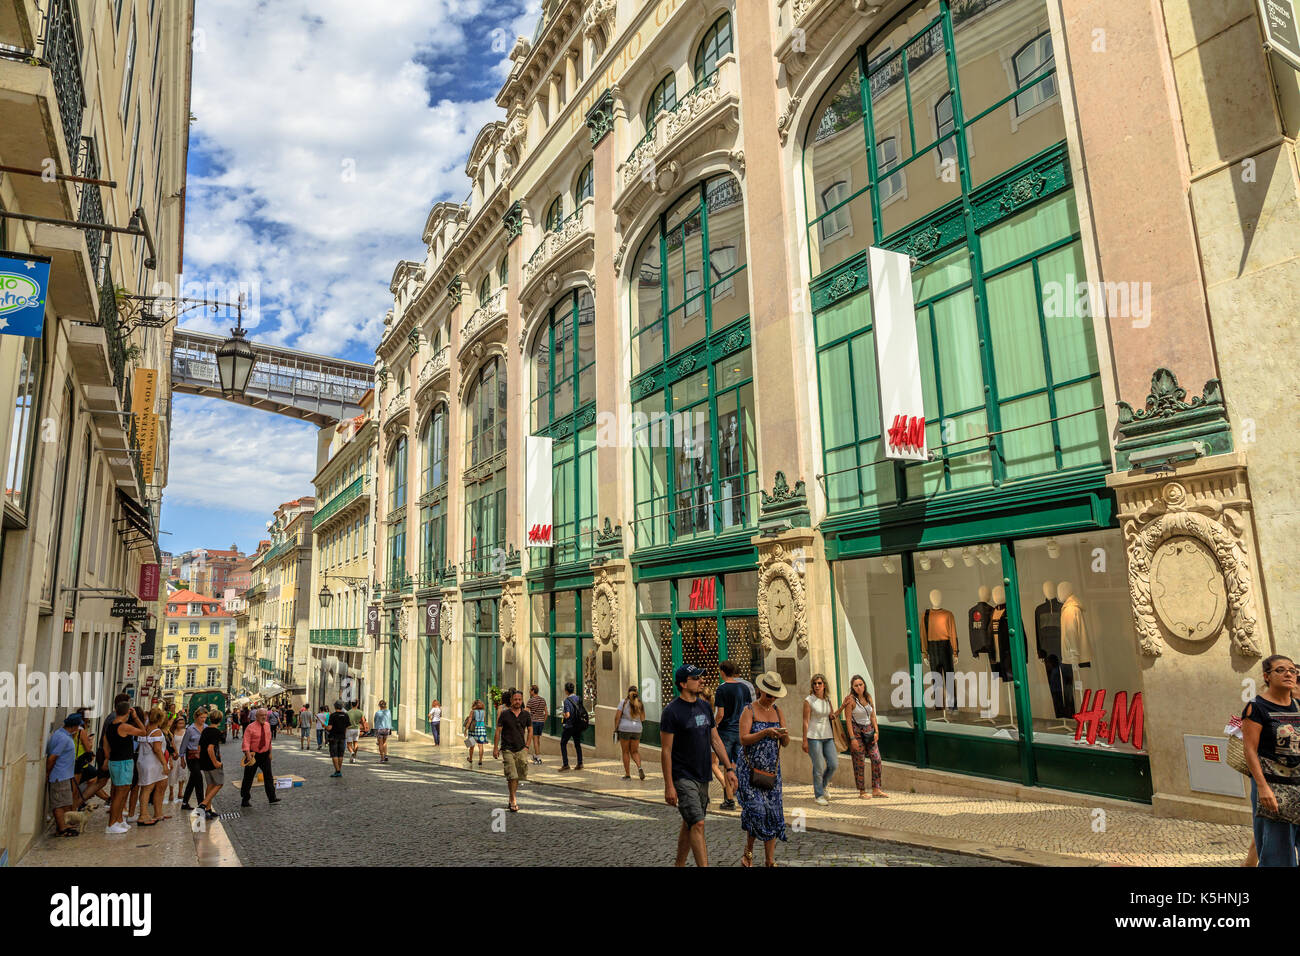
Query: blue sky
x: 323, y: 133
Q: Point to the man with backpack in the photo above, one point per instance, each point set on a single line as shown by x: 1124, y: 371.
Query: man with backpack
x: 576, y: 721
x: 730, y: 700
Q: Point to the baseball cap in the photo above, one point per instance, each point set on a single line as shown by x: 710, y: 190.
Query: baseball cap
x: 686, y: 672
x: 72, y: 720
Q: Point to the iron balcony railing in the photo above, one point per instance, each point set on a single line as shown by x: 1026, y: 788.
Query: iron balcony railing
x: 62, y: 56
x: 92, y: 203
x: 266, y: 664
x: 337, y: 636
x: 110, y: 321
x: 335, y: 504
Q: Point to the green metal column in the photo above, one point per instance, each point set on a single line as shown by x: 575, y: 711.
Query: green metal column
x: 1019, y: 666
x: 914, y: 662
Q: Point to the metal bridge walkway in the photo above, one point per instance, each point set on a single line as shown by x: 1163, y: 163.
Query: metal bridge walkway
x: 315, y: 388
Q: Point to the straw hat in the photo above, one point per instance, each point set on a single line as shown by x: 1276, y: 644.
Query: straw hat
x: 769, y: 682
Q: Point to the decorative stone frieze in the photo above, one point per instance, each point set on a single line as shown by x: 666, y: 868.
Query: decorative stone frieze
x: 1168, y: 418
x: 513, y: 221
x: 785, y: 507
x: 507, y: 610
x: 447, y: 617
x: 784, y: 121
x: 606, y: 612
x: 782, y: 595
x: 455, y: 289
x: 599, y: 18
x: 1190, y: 564
x: 609, y: 541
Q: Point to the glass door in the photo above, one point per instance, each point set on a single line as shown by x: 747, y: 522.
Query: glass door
x: 393, y: 695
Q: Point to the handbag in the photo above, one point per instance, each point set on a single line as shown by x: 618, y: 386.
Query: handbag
x: 761, y: 779
x: 248, y: 759
x: 1236, y: 755
x: 1288, y: 804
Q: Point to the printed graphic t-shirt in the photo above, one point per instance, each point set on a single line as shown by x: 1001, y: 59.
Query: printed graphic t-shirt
x: 692, y: 728
x: 1279, y: 739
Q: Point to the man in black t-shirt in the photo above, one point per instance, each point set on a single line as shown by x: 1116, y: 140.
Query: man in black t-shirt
x: 514, y: 730
x: 214, y: 774
x: 337, y: 728
x: 687, y: 732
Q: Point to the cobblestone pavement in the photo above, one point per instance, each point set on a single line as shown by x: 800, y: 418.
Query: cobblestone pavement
x: 406, y: 813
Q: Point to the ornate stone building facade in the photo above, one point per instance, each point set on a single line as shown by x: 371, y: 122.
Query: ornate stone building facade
x: 661, y: 266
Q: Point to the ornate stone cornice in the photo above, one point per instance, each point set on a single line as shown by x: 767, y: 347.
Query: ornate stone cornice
x: 1169, y: 418
x: 455, y: 288
x: 785, y: 506
x: 513, y: 221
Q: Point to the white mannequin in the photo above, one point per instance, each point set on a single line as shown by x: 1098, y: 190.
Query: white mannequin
x: 1000, y: 597
x: 985, y: 594
x: 1049, y: 590
x: 1063, y: 590
x: 936, y: 604
x: 936, y: 599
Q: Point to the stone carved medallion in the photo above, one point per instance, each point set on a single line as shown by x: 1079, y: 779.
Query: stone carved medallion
x: 1187, y: 589
x: 782, y: 607
x: 604, y: 610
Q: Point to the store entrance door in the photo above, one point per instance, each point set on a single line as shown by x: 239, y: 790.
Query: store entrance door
x: 482, y: 656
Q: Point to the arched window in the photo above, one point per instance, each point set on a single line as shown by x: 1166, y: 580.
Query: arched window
x: 503, y: 271
x: 663, y: 97
x: 943, y: 125
x: 397, y: 575
x: 433, y: 450
x: 1031, y: 62
x: 433, y: 512
x: 554, y: 214
x: 485, y: 289
x: 485, y: 466
x: 583, y: 187
x: 695, y: 464
x: 715, y: 45
x: 887, y: 159
x: 397, y: 475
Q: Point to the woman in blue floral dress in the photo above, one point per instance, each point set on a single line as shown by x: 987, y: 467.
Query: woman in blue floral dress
x: 762, y: 735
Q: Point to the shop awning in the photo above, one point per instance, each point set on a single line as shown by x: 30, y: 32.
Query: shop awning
x: 136, y: 518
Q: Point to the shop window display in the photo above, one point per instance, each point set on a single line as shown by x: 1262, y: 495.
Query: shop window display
x: 1075, y: 601
x: 965, y: 641
x: 871, y: 625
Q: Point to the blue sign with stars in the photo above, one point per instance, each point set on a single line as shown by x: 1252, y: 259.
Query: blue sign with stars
x: 23, y: 283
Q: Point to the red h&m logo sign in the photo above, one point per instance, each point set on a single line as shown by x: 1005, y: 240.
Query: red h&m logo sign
x: 907, y: 432
x: 539, y: 534
x: 704, y: 594
x: 1124, y: 720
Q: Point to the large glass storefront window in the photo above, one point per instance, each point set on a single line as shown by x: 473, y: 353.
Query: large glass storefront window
x: 483, y: 658
x: 901, y: 156
x: 563, y: 652
x: 871, y: 628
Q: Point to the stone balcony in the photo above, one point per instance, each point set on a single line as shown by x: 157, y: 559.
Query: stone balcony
x: 486, y: 316
x: 397, y: 407
x: 704, y: 119
x: 436, y: 368
x: 560, y: 249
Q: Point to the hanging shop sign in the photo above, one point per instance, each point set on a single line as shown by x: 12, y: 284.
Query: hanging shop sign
x: 147, y: 647
x: 131, y: 665
x: 149, y: 577
x: 372, y: 621
x: 432, y: 612
x: 537, y: 490
x: 898, y: 357
x: 121, y: 606
x: 24, y: 281
x: 1281, y: 34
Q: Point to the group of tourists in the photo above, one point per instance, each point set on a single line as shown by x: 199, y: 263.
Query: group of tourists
x: 344, y: 727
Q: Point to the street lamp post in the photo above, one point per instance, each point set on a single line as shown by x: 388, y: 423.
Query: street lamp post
x: 236, y: 358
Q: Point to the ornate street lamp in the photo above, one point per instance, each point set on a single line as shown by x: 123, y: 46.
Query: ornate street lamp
x: 325, y: 596
x: 235, y: 361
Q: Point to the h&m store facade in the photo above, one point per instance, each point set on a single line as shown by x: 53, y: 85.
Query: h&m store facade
x: 748, y: 511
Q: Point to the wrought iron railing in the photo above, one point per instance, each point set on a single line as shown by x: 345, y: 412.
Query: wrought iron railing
x: 336, y: 503
x: 92, y: 203
x: 337, y: 636
x: 110, y: 321
x: 62, y: 55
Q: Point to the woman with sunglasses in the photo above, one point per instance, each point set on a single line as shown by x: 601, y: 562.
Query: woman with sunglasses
x: 818, y: 738
x: 864, y: 739
x: 1270, y: 727
x: 631, y: 712
x: 758, y: 769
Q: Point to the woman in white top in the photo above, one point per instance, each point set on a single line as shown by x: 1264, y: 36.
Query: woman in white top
x: 627, y: 728
x: 818, y: 740
x: 864, y: 741
x: 177, y: 737
x: 153, y: 764
x: 435, y: 721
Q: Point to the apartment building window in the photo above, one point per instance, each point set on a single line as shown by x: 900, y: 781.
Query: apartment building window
x: 214, y: 628
x: 173, y: 652
x: 191, y: 677
x: 715, y: 45
x: 194, y: 630
x: 694, y: 458
x: 55, y: 544
x: 169, y: 679
x: 555, y: 214
x: 192, y: 650
x: 1035, y: 63
x: 397, y: 554
x: 943, y: 125
x: 433, y: 450
x: 22, y: 441
x: 584, y: 186
x: 128, y: 73
x: 503, y: 271
x: 397, y: 475
x: 662, y: 97
x: 135, y: 155
x: 173, y: 628
x: 214, y: 676
x: 485, y: 289
x: 485, y: 464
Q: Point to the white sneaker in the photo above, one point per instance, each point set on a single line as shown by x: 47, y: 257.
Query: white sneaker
x: 131, y: 819
x: 823, y: 801
x: 118, y: 828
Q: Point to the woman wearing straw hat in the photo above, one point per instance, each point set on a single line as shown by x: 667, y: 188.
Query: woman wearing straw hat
x: 758, y: 768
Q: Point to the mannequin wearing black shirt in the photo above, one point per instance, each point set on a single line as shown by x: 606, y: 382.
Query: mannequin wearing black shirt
x: 1047, y: 630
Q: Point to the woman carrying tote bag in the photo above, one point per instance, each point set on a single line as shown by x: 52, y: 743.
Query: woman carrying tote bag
x: 1270, y: 727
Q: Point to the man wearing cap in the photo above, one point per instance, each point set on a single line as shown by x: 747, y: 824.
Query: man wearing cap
x: 60, y: 766
x: 688, y: 731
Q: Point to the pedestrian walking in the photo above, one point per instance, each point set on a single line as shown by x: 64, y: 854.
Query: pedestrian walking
x: 272, y: 719
x: 133, y: 810
x: 435, y: 722
x: 864, y: 742
x: 214, y: 771
x: 337, y: 729
x: 322, y: 719
x: 818, y: 737
x: 257, y: 756
x: 688, y: 733
x: 758, y: 770
x: 510, y: 742
x: 731, y: 697
x: 304, y: 728
x: 176, y: 750
x: 571, y: 727
x: 384, y: 726
x: 60, y: 769
x: 537, y: 712
x: 356, y: 726
x: 122, y: 731
x: 1270, y: 727
x: 153, y: 765
x: 193, y: 759
x: 628, y: 724
x: 475, y: 731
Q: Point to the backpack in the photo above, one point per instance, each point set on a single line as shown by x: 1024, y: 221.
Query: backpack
x: 578, y: 715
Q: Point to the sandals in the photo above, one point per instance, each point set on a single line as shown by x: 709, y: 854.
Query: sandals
x: 513, y: 809
x: 68, y: 832
x: 747, y: 859
x: 879, y: 793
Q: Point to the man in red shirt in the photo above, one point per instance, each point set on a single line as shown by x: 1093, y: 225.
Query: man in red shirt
x: 257, y: 742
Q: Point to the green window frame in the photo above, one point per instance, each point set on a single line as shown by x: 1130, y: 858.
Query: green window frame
x: 397, y: 475
x: 503, y: 271
x: 433, y: 541
x: 716, y: 43
x: 584, y: 186
x: 485, y: 468
x: 555, y: 214
x: 662, y: 97
x: 565, y: 616
x: 433, y: 449
x: 485, y: 289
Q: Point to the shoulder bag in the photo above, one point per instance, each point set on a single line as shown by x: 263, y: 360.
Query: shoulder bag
x: 762, y: 779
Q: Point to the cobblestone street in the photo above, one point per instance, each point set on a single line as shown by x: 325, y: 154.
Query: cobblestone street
x: 405, y: 813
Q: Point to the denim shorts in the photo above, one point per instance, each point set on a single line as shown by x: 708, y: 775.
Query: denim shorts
x: 122, y: 772
x: 731, y: 742
x: 538, y: 727
x: 692, y: 800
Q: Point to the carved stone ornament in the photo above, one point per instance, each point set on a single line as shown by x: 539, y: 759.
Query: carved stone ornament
x: 737, y: 158
x: 786, y: 118
x: 618, y: 258
x: 668, y: 176
x: 598, y: 14
x: 782, y: 603
x: 446, y: 622
x: 605, y: 611
x: 1188, y: 571
x: 506, y: 617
